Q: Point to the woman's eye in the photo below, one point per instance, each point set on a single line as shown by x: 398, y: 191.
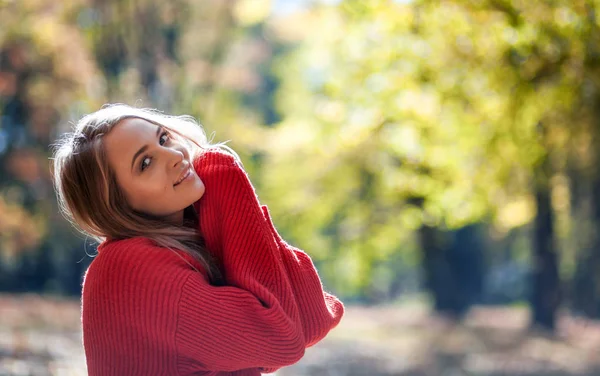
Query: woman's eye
x: 145, y: 163
x: 164, y: 136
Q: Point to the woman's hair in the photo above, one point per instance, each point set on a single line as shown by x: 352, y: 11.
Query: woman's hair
x: 88, y: 194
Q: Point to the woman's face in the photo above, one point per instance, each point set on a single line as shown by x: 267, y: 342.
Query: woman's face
x: 149, y: 164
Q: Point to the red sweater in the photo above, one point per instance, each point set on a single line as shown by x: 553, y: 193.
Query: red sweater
x: 145, y: 311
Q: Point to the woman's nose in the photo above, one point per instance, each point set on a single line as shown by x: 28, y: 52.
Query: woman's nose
x: 175, y: 156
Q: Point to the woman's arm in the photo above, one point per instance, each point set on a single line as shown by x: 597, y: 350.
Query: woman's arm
x: 253, y: 256
x: 300, y: 267
x: 227, y: 328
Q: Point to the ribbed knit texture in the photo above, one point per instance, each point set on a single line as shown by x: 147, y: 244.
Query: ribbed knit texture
x: 145, y: 311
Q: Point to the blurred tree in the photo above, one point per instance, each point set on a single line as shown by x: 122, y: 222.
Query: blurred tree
x: 365, y: 128
x: 584, y: 155
x: 441, y: 101
x: 43, y: 69
x: 136, y: 38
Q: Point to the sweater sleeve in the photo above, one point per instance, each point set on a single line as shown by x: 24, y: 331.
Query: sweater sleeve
x: 254, y: 258
x: 315, y: 313
x: 227, y: 328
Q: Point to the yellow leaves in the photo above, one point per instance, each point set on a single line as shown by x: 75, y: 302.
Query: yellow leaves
x: 359, y: 127
x: 384, y: 240
x: 515, y: 213
x: 348, y: 271
x: 395, y: 18
x: 462, y: 206
x: 410, y: 218
x: 403, y: 140
x: 566, y: 18
x: 250, y: 12
x: 294, y: 27
x: 331, y: 111
x: 422, y: 104
x: 291, y: 136
x: 18, y: 229
x: 320, y: 26
x: 245, y: 134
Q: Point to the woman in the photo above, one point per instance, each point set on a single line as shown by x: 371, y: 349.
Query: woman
x: 191, y: 277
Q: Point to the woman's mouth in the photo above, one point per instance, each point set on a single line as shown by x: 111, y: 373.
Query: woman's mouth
x: 183, y: 177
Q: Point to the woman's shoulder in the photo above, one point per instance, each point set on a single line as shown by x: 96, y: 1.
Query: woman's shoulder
x: 137, y: 259
x: 128, y: 250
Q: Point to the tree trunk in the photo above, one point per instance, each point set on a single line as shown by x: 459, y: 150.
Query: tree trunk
x: 593, y: 260
x: 583, y: 292
x: 545, y: 297
x: 440, y: 279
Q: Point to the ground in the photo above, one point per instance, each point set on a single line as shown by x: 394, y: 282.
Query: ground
x: 42, y: 336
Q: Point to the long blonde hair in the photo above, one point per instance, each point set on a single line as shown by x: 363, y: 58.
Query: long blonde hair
x: 88, y: 194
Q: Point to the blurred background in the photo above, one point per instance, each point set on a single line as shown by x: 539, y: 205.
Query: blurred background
x: 437, y: 159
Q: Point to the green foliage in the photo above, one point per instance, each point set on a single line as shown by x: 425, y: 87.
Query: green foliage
x: 401, y: 114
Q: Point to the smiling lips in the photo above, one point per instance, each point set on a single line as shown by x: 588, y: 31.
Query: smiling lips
x: 183, y: 176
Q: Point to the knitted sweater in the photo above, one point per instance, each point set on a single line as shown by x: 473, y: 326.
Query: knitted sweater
x: 146, y: 311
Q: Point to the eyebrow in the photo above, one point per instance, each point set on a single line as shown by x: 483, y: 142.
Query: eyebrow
x: 144, y: 148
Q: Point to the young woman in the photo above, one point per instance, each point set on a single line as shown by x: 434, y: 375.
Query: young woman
x: 191, y: 277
